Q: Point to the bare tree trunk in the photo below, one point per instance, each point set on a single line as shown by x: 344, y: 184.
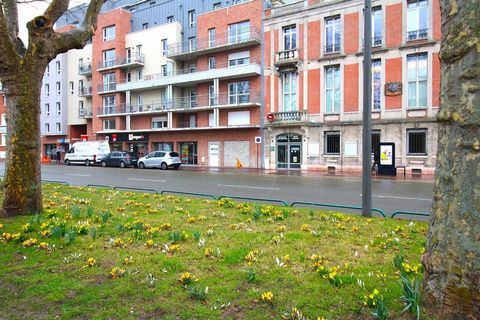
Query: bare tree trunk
x: 22, y: 174
x: 452, y: 258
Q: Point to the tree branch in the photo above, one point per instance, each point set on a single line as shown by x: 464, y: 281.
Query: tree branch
x: 55, y: 10
x: 8, y: 54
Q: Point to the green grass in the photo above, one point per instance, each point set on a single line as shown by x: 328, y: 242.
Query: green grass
x: 51, y: 278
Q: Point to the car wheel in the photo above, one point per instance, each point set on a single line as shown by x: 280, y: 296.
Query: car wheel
x: 141, y: 165
x: 104, y: 164
x: 163, y: 166
x: 122, y: 164
x: 87, y: 163
x: 67, y: 162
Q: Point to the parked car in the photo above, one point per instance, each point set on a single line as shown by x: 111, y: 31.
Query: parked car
x: 120, y: 159
x: 160, y: 159
x: 87, y: 152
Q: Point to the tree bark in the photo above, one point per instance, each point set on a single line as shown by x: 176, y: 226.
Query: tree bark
x: 452, y: 258
x: 22, y: 173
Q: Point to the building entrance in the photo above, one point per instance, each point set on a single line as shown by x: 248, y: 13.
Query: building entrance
x: 289, y: 151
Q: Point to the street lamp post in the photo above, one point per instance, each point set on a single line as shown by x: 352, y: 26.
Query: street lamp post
x: 367, y: 110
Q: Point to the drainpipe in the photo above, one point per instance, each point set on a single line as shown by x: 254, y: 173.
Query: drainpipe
x: 262, y: 86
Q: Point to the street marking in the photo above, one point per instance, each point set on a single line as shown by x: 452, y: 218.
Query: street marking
x: 403, y: 198
x: 246, y: 187
x: 149, y: 180
x: 77, y: 175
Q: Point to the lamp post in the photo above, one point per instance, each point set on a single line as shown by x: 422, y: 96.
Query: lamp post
x: 367, y: 111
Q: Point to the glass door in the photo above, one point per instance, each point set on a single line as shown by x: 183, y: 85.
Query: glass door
x: 295, y: 156
x: 282, y: 159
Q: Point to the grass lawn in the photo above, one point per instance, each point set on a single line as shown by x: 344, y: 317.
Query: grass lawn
x: 104, y: 254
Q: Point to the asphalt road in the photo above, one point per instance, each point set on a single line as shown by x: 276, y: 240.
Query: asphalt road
x: 388, y: 195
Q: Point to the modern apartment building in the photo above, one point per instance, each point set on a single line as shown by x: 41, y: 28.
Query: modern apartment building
x: 180, y: 75
x: 314, y: 80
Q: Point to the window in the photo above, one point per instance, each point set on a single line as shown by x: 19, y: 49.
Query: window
x: 193, y: 98
x: 163, y: 146
x: 217, y: 5
x: 238, y: 58
x: 59, y: 87
x: 417, y: 19
x: 191, y: 43
x: 72, y: 89
x: 169, y: 19
x: 211, y: 37
x: 212, y: 63
x: 289, y: 38
x: 332, y: 142
x: 191, y: 18
x: 159, y: 122
x: 80, y: 108
x: 108, y: 33
x: 163, y: 69
x: 139, y: 74
x: 375, y: 140
x: 140, y: 102
x: 145, y: 25
x: 212, y: 97
x: 3, y: 119
x: 333, y: 34
x: 332, y: 89
x: 58, y: 67
x: 47, y: 89
x: 377, y: 26
x: 239, y: 32
x: 164, y: 47
x: 417, y: 80
x: 47, y: 71
x: 108, y: 104
x: 58, y: 127
x: 109, y: 124
x: 108, y: 58
x: 377, y: 84
x: 238, y: 92
x: 59, y: 108
x: 109, y: 83
x: 47, y: 128
x: 289, y: 80
x: 3, y: 141
x: 47, y: 109
x: 417, y: 142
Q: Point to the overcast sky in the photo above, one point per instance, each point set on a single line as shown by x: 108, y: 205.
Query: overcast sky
x: 28, y: 11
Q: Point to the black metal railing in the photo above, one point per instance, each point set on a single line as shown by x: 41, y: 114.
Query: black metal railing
x: 417, y: 34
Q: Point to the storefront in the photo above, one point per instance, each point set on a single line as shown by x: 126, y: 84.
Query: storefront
x: 289, y: 151
x: 188, y: 152
x: 131, y: 142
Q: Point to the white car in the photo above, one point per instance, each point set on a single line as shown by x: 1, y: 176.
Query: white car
x: 160, y: 159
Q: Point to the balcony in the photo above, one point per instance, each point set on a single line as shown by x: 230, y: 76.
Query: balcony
x: 191, y: 76
x: 85, y: 69
x: 332, y: 48
x: 187, y: 50
x: 135, y: 60
x: 287, y: 117
x: 85, y: 113
x: 111, y: 110
x: 286, y: 59
x: 107, y: 87
x: 377, y: 41
x: 186, y: 124
x: 85, y: 91
x: 417, y: 35
x: 187, y: 103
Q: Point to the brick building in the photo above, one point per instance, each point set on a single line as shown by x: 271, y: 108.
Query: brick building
x: 313, y: 82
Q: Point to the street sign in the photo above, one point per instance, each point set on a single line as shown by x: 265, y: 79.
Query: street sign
x: 258, y: 139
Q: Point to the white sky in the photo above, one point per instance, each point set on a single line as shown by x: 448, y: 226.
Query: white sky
x: 28, y: 11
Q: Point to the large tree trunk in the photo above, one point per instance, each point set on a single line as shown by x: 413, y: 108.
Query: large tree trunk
x: 22, y: 174
x: 452, y: 257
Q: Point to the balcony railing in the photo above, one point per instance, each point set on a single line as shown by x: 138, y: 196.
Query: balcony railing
x: 134, y: 59
x: 251, y: 34
x: 85, y: 91
x: 107, y: 87
x: 376, y: 41
x: 186, y: 71
x: 85, y: 113
x: 332, y: 48
x: 111, y: 109
x: 417, y: 34
x: 187, y: 124
x: 286, y: 56
x: 288, y: 117
x: 85, y: 68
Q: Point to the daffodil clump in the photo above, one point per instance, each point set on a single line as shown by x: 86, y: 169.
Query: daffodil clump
x: 251, y: 257
x: 371, y: 300
x: 117, y: 273
x: 30, y: 242
x: 90, y: 263
x: 267, y: 297
x: 187, y: 278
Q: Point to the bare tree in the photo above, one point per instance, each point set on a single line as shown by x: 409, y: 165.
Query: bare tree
x: 21, y: 73
x: 452, y: 258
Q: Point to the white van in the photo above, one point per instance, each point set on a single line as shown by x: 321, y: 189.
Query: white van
x: 87, y: 152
